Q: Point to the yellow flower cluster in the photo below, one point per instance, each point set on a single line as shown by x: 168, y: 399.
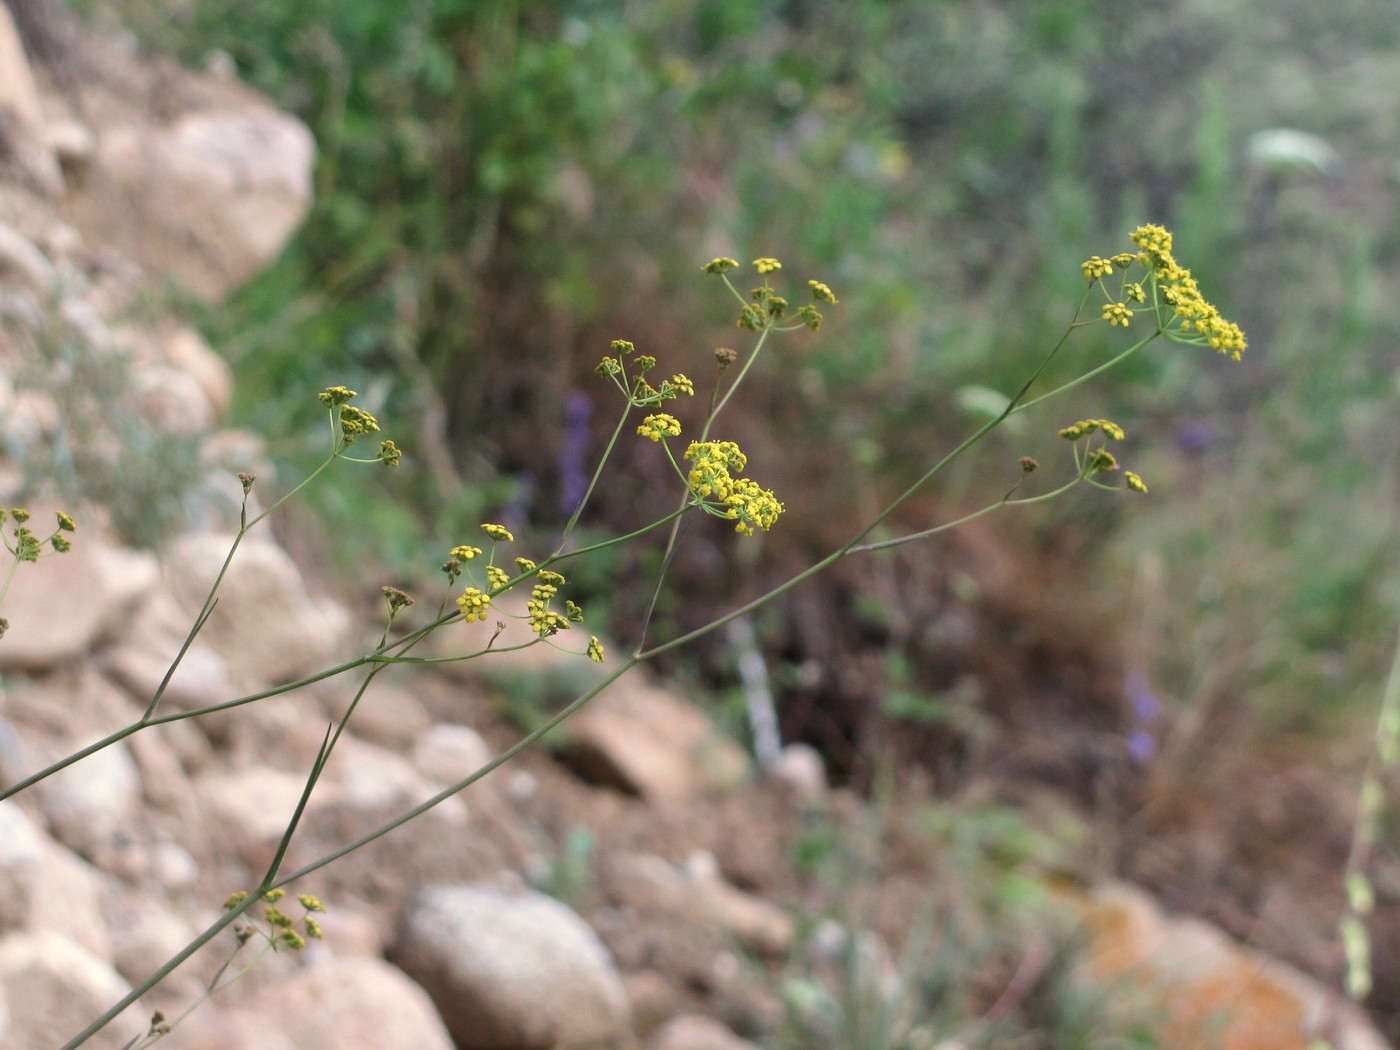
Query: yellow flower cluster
x: 26, y: 546
x: 280, y: 934
x: 1180, y: 291
x: 354, y: 423
x: 1199, y: 321
x: 640, y: 391
x: 1095, y: 268
x: 544, y: 621
x: 473, y: 604
x: 1084, y: 427
x: 1100, y: 460
x: 1117, y: 314
x: 712, y: 480
x: 658, y: 426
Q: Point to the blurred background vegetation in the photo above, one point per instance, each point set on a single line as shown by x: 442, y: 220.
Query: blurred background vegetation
x: 503, y: 187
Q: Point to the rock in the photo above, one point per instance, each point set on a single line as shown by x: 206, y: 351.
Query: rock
x: 21, y: 261
x: 696, y: 1032
x: 651, y: 999
x: 186, y: 350
x: 698, y: 893
x: 171, y: 401
x: 93, y: 801
x: 20, y: 863
x: 389, y: 716
x: 61, y: 607
x: 163, y: 781
x: 56, y: 988
x: 140, y: 659
x: 648, y: 742
x: 267, y: 628
x: 512, y: 971
x: 217, y: 1026
x: 379, y: 784
x: 151, y: 934
x: 21, y: 116
x: 801, y: 768
x: 70, y: 899
x: 352, y: 1004
x: 446, y: 753
x: 210, y: 198
x: 18, y: 92
x: 1211, y: 989
x: 249, y: 810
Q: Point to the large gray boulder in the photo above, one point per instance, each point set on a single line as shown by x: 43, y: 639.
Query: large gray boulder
x: 513, y: 971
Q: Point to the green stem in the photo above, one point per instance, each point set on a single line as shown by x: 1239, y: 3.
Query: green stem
x: 1091, y: 374
x: 1005, y: 501
x: 211, y: 598
x: 170, y: 966
x: 505, y: 756
x: 9, y: 578
x: 593, y: 481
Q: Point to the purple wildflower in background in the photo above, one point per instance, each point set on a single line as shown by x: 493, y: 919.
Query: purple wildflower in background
x: 573, y: 478
x: 1146, y: 710
x: 1195, y: 438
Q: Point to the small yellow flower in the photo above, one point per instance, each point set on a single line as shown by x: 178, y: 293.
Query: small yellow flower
x: 550, y: 576
x: 721, y: 265
x: 465, y: 553
x: 621, y: 346
x: 595, y: 650
x: 1117, y: 314
x: 311, y: 903
x: 313, y: 928
x: 235, y: 899
x: 66, y: 523
x: 543, y: 620
x: 60, y: 544
x: 473, y: 604
x: 335, y: 396
x: 498, y: 532
x: 19, y: 514
x: 658, y: 426
x: 1134, y: 482
x: 1135, y: 292
x: 355, y: 422
x: 1155, y: 240
x: 497, y: 576
x: 389, y: 454
x: 1095, y: 267
x: 524, y: 565
x: 767, y: 265
x: 681, y: 383
x: 1102, y: 461
x: 822, y: 292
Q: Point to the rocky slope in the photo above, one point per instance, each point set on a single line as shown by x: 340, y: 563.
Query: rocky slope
x: 679, y: 913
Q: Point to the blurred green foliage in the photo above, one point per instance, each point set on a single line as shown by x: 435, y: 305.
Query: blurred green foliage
x: 504, y: 186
